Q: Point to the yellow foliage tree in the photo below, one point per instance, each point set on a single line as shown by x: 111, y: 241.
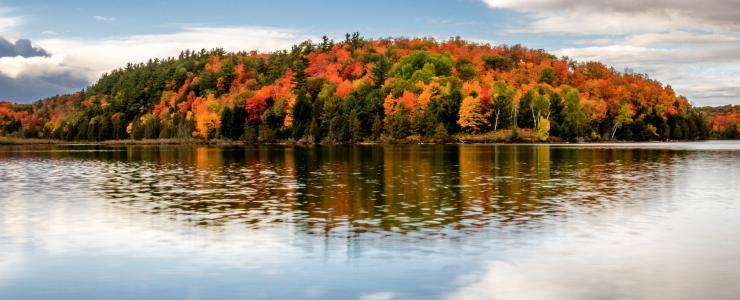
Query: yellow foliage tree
x: 207, y: 118
x: 543, y: 129
x: 130, y: 129
x: 471, y: 115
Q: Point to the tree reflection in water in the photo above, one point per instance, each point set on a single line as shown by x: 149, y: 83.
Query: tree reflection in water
x: 355, y: 191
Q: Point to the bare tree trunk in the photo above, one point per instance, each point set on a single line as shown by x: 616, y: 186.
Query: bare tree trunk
x: 495, y: 123
x: 614, y: 131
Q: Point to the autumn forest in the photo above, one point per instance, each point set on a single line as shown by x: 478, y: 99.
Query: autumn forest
x: 361, y: 90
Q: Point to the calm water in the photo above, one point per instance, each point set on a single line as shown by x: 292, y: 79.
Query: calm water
x: 655, y: 221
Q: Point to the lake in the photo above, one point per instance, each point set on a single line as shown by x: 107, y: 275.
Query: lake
x: 606, y: 221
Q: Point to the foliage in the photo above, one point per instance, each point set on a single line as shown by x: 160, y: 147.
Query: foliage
x: 723, y: 121
x: 543, y: 129
x: 367, y: 90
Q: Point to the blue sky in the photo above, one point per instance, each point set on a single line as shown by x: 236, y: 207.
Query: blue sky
x: 693, y: 47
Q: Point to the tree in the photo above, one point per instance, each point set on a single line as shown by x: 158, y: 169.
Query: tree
x: 226, y: 122
x: 547, y: 75
x: 471, y: 116
x: 380, y: 70
x: 299, y: 70
x: 422, y: 66
x: 377, y: 129
x: 326, y: 44
x: 575, y: 121
x: 238, y: 118
x: 623, y: 116
x: 355, y: 126
x: 543, y: 129
x: 301, y: 115
x: 339, y: 93
x: 538, y: 104
x: 498, y: 63
x: 466, y: 70
x: 503, y: 97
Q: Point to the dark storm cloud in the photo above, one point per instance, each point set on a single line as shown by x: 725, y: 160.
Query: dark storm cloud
x: 32, y: 85
x: 21, y: 47
x: 28, y: 88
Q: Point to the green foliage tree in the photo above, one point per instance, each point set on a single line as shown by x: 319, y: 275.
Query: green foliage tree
x: 498, y: 63
x: 503, y: 99
x: 624, y: 116
x: 547, y: 75
x: 380, y: 70
x: 575, y: 121
x: 466, y: 70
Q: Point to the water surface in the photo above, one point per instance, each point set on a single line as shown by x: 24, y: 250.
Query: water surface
x: 601, y: 221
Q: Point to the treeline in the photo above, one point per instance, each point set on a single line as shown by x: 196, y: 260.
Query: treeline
x: 363, y: 90
x: 724, y: 121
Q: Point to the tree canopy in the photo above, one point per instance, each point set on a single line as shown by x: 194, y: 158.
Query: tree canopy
x: 364, y: 90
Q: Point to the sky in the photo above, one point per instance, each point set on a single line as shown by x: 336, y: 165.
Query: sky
x: 57, y: 47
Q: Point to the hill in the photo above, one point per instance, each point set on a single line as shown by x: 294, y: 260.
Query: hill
x: 357, y: 90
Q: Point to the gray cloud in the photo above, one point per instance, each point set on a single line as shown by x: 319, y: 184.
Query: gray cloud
x: 21, y: 47
x: 28, y: 73
x: 28, y: 88
x: 691, y: 45
x: 722, y: 13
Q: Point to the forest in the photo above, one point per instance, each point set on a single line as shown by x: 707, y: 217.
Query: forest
x: 369, y: 90
x: 724, y: 121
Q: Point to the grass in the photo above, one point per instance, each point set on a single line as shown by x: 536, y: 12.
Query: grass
x: 493, y: 137
x: 498, y: 136
x: 24, y: 141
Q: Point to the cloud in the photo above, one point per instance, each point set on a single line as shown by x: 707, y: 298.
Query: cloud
x: 79, y: 62
x: 28, y: 73
x: 631, y: 56
x: 104, y: 19
x: 102, y: 55
x: 8, y: 24
x: 22, y: 47
x: 380, y: 296
x: 681, y: 38
x: 625, y: 16
x: 692, y: 45
x: 26, y: 88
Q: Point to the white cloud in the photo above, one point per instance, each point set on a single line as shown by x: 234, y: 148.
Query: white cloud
x: 90, y: 58
x: 18, y: 65
x: 96, y: 56
x: 104, y: 19
x: 380, y: 296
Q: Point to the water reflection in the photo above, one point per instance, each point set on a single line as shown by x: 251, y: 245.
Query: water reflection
x: 461, y: 222
x: 419, y: 191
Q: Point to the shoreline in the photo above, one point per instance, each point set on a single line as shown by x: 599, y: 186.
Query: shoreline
x: 177, y: 142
